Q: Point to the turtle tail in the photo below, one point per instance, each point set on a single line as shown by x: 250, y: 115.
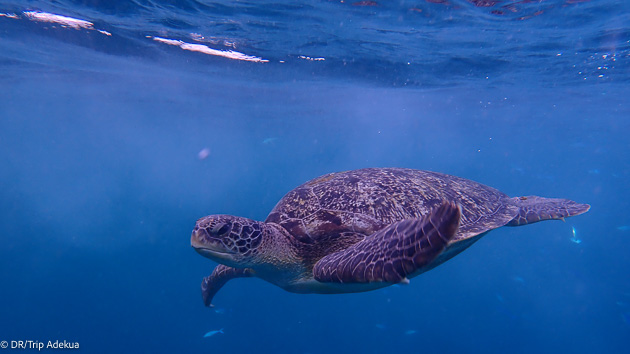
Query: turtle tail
x: 534, y: 209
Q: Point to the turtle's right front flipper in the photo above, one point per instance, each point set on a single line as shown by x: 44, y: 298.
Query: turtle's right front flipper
x: 215, y: 281
x: 393, y: 253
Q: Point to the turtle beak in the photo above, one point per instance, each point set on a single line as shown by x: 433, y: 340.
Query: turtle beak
x: 207, y: 246
x: 198, y: 238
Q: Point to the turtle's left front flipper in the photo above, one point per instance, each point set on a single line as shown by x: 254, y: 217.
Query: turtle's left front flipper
x: 393, y: 253
x: 220, y: 275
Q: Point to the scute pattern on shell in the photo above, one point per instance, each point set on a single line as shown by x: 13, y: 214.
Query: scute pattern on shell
x: 364, y: 201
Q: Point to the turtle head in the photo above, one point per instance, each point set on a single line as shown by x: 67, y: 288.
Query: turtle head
x: 230, y: 240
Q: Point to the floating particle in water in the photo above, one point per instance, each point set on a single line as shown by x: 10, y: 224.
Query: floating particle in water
x: 269, y: 140
x: 623, y: 228
x: 518, y: 169
x: 505, y: 311
x: 518, y: 279
x: 212, y: 333
x: 203, y: 154
x: 380, y: 326
x: 575, y: 239
x: 410, y: 332
x: 219, y: 310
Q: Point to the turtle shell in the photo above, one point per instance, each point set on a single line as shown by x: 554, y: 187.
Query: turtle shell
x: 364, y: 201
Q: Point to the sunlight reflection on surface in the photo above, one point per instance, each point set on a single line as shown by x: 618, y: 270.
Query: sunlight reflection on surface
x: 207, y: 50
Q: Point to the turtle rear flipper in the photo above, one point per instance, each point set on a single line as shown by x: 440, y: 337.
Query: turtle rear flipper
x: 534, y: 209
x: 221, y: 275
x: 393, y: 252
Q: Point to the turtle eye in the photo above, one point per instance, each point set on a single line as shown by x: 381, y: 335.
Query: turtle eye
x: 221, y: 229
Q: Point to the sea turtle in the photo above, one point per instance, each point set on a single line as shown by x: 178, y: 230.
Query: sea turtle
x: 361, y: 230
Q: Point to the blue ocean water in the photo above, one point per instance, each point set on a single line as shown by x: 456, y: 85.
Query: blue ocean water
x: 106, y: 106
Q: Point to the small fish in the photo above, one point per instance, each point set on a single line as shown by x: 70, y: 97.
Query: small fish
x: 623, y: 228
x: 269, y: 140
x: 380, y: 326
x: 499, y: 297
x: 574, y: 239
x: 211, y: 333
x: 518, y: 279
x: 410, y: 332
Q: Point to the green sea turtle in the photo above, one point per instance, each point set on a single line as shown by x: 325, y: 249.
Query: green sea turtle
x: 362, y: 230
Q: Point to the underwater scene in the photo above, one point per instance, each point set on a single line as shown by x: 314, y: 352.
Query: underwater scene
x: 183, y: 176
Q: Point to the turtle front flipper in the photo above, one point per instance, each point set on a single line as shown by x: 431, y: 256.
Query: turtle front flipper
x: 534, y: 209
x: 220, y: 275
x: 393, y: 253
